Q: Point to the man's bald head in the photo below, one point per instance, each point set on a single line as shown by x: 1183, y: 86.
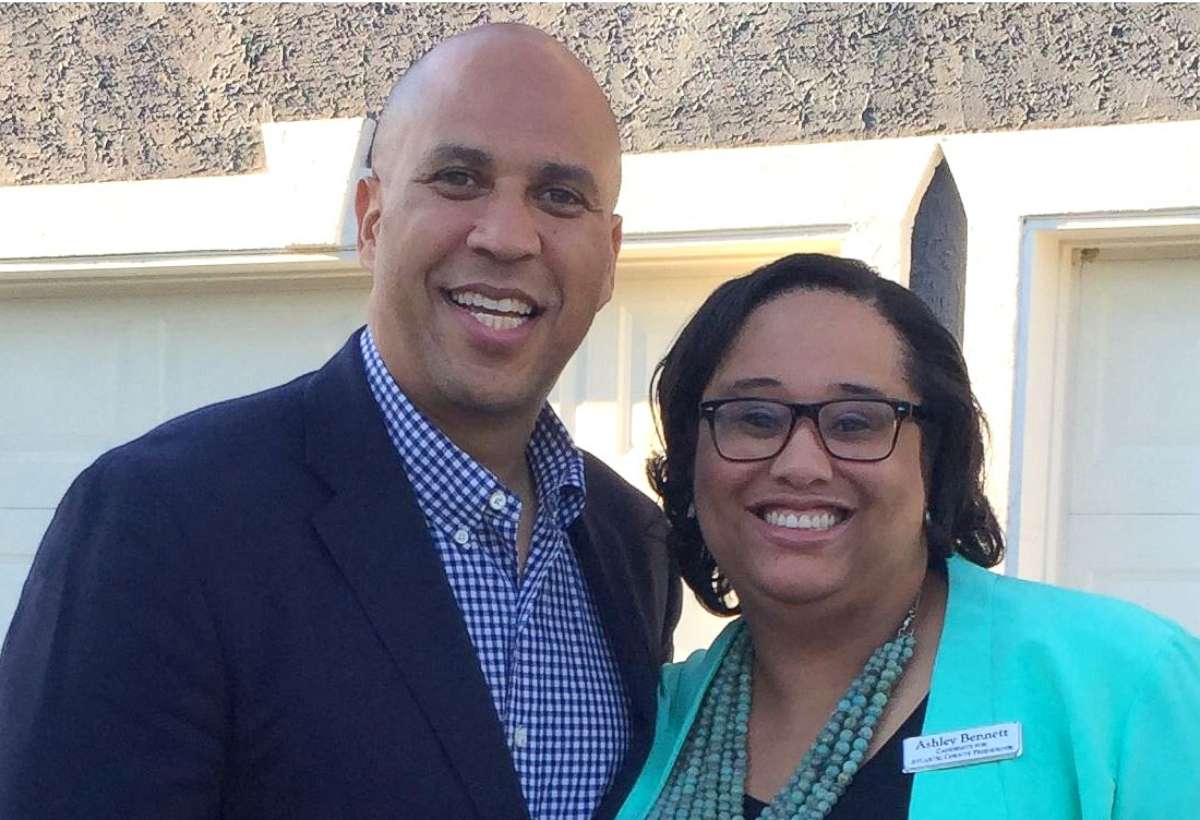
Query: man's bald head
x: 482, y: 57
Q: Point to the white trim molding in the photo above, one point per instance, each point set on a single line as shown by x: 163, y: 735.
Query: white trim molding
x: 34, y: 277
x: 735, y: 207
x: 864, y: 193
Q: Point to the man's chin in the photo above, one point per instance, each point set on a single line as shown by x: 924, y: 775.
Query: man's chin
x: 492, y: 397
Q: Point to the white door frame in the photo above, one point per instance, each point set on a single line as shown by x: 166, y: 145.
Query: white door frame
x: 1052, y: 249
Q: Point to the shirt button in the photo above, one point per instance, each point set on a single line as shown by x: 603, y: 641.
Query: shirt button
x: 520, y: 737
x: 462, y: 537
x: 498, y: 501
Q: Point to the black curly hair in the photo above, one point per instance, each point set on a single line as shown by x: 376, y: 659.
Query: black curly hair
x: 960, y: 518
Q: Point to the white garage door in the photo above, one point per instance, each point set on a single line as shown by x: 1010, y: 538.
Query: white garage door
x: 1133, y: 423
x: 83, y: 373
x: 87, y: 372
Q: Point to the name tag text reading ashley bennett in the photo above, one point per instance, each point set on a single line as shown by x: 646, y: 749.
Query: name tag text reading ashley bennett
x: 963, y: 747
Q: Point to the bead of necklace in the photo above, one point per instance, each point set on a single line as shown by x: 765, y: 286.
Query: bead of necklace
x: 708, y: 780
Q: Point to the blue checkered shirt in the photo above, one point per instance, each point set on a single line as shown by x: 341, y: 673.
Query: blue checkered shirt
x: 539, y: 641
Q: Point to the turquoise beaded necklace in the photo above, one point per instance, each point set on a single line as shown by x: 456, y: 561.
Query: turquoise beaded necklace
x: 709, y: 778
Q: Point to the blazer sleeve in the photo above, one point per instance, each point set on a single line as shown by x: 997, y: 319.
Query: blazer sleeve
x: 1160, y: 743
x: 112, y: 701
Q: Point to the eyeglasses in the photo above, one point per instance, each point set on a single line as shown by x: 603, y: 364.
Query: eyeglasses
x: 849, y: 429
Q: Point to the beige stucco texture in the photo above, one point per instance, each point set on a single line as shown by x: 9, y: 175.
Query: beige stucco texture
x: 104, y: 92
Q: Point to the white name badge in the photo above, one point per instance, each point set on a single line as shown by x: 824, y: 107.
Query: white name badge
x: 962, y: 747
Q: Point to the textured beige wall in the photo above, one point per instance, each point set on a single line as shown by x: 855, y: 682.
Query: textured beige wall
x: 101, y: 92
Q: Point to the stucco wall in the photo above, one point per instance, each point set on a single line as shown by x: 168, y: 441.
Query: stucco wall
x: 100, y: 92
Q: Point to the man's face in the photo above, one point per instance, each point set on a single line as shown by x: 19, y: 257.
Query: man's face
x: 490, y: 234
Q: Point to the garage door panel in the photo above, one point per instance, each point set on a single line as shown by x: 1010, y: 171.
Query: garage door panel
x: 22, y: 529
x: 1150, y: 559
x: 72, y: 382
x: 38, y: 479
x: 1171, y: 592
x: 76, y: 378
x: 13, y: 571
x: 1136, y: 401
x: 1132, y: 424
x: 211, y: 352
x: 1115, y: 479
x: 603, y: 394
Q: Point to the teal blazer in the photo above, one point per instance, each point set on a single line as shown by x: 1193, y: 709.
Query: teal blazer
x: 1107, y: 695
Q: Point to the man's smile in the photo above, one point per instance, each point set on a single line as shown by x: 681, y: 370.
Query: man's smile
x: 498, y: 310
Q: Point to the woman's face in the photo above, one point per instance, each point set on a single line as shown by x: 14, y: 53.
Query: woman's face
x: 803, y: 526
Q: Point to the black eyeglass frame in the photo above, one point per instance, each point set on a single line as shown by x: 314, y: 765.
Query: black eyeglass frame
x: 903, y: 410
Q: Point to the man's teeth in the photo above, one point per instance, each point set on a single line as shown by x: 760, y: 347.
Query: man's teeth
x: 508, y: 305
x: 801, y: 521
x: 499, y: 322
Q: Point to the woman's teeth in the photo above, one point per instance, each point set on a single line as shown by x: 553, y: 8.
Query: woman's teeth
x: 801, y: 521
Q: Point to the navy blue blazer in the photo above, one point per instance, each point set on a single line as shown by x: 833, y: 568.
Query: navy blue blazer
x: 241, y: 615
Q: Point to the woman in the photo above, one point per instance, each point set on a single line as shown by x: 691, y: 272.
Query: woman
x: 823, y: 477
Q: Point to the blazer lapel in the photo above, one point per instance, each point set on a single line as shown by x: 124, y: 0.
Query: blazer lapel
x: 962, y: 696
x: 376, y: 533
x: 602, y: 559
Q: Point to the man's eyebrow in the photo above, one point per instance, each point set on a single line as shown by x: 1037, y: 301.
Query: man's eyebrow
x: 564, y: 172
x: 452, y: 152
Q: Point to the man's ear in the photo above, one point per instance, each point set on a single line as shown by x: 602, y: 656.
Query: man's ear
x: 617, y: 235
x: 367, y: 210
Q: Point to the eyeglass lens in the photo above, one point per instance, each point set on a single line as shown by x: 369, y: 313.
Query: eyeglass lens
x: 851, y: 429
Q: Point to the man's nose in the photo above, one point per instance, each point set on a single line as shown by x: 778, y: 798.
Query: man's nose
x: 804, y: 459
x: 506, y: 229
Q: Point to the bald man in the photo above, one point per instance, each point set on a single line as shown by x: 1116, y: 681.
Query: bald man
x: 392, y: 587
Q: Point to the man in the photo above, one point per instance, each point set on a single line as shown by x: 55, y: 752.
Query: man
x: 380, y: 589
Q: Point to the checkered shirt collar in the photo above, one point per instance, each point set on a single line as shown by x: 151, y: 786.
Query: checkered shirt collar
x: 451, y: 485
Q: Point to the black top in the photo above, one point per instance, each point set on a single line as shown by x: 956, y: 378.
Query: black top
x: 880, y: 790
